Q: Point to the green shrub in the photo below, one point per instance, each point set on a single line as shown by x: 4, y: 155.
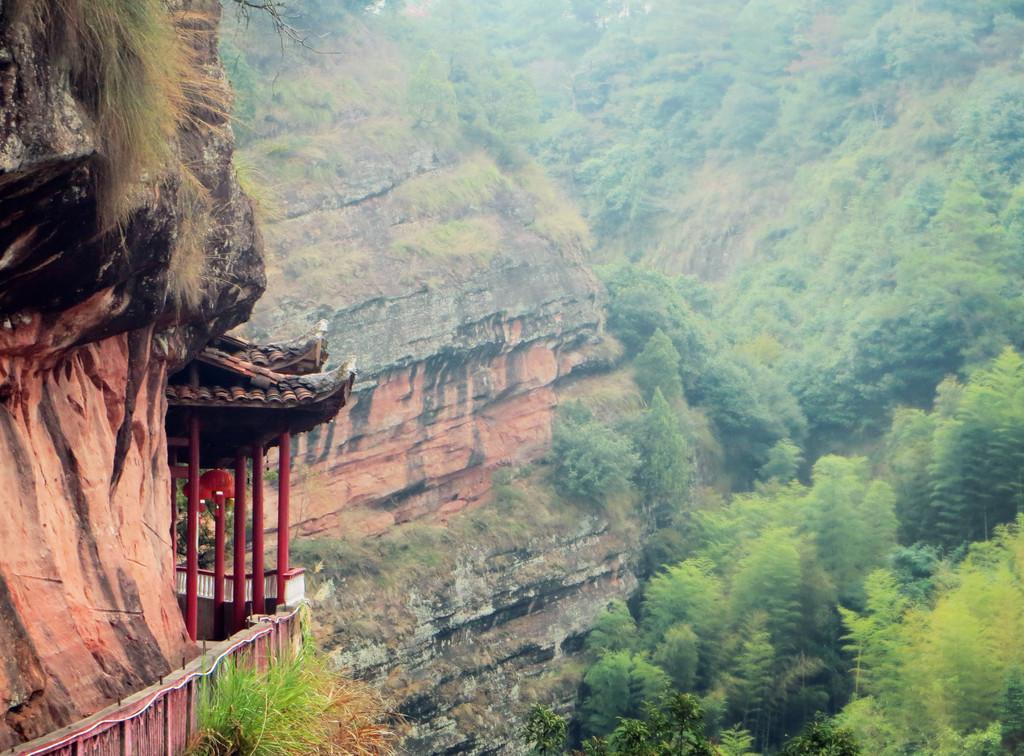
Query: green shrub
x: 823, y: 736
x: 295, y: 706
x: 657, y: 367
x: 591, y: 460
x: 545, y: 731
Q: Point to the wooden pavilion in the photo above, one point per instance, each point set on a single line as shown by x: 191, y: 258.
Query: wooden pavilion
x: 226, y: 408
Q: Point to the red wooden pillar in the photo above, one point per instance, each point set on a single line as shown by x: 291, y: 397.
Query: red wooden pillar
x: 174, y: 519
x: 192, y: 532
x: 238, y: 582
x: 218, y: 563
x: 258, y: 569
x: 284, y: 483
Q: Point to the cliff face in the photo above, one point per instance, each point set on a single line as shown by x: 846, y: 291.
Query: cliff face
x: 423, y: 435
x: 457, y: 284
x: 89, y: 328
x: 465, y: 627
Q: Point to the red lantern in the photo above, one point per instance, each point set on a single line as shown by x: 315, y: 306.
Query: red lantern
x: 213, y: 482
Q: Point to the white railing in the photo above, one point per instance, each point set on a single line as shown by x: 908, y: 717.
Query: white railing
x: 294, y: 587
x: 294, y: 591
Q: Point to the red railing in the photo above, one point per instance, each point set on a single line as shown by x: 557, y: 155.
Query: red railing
x: 163, y: 718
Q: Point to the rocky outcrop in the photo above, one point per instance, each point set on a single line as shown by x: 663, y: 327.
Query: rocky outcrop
x: 423, y: 439
x: 89, y: 328
x: 466, y: 646
x: 458, y: 356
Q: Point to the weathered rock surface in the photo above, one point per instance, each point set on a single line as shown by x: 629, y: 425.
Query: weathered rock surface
x: 464, y: 651
x: 459, y: 287
x: 457, y: 357
x: 88, y: 331
x: 424, y: 440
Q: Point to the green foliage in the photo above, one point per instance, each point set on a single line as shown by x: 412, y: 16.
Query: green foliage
x: 591, y: 461
x: 672, y: 727
x: 664, y: 472
x: 783, y: 463
x: 942, y: 674
x: 545, y: 731
x: 747, y: 403
x: 615, y: 630
x: 431, y: 97
x: 736, y: 741
x: 1011, y: 712
x: 823, y: 737
x: 617, y: 686
x: 853, y: 520
x: 749, y: 620
x: 686, y: 593
x: 679, y: 655
x: 979, y: 454
x: 768, y: 580
x: 956, y: 471
x: 657, y: 367
x: 295, y: 706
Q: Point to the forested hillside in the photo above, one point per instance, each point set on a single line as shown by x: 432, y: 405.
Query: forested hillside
x: 808, y: 219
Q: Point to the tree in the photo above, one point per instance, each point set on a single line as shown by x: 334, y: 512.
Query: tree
x: 783, y: 463
x: 769, y: 580
x: 823, y: 737
x: 687, y: 593
x: 979, y: 454
x: 657, y: 367
x: 750, y: 683
x: 873, y: 639
x: 431, y: 96
x: 736, y: 741
x: 908, y: 456
x: 615, y: 630
x: 617, y: 686
x: 591, y: 461
x: 1011, y: 712
x: 679, y: 655
x: 664, y: 472
x: 672, y: 726
x: 545, y: 731
x: 852, y: 519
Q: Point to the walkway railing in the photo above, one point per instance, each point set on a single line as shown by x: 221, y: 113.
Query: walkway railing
x: 295, y: 583
x: 163, y: 718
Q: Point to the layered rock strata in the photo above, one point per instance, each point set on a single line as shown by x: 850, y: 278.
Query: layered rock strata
x: 465, y: 652
x: 457, y: 357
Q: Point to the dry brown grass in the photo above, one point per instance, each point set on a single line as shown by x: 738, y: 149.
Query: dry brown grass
x: 363, y: 726
x: 134, y: 67
x: 127, y: 65
x: 188, y: 267
x: 259, y: 188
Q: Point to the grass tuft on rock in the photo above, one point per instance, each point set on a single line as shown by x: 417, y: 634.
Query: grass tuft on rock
x: 134, y: 67
x: 296, y: 706
x: 127, y: 65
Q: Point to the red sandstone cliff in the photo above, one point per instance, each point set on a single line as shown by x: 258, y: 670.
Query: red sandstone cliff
x: 456, y: 281
x: 89, y: 329
x: 424, y: 441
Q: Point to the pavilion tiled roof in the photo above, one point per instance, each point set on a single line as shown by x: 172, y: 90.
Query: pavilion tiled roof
x: 266, y: 388
x: 240, y: 403
x: 303, y: 355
